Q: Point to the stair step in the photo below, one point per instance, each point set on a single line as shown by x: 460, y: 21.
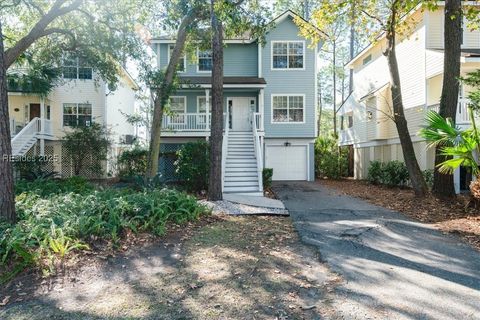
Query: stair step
x: 240, y: 189
x: 249, y: 174
x: 241, y: 179
x: 241, y: 165
x: 235, y: 170
x: 242, y: 156
x: 243, y: 184
x: 241, y: 160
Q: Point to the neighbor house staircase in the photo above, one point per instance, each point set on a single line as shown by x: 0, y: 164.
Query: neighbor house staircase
x: 28, y: 136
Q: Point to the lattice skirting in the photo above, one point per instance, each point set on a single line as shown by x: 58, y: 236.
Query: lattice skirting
x: 168, y: 157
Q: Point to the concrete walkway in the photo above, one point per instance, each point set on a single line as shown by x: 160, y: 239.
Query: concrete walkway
x: 392, y: 267
x: 254, y: 201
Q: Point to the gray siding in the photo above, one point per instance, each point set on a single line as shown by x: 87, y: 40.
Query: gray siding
x: 289, y: 82
x: 239, y: 60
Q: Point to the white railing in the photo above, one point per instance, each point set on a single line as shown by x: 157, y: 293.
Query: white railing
x: 462, y: 111
x: 258, y: 121
x: 28, y: 133
x: 226, y: 129
x: 13, y: 128
x: 187, y: 122
x: 258, y: 150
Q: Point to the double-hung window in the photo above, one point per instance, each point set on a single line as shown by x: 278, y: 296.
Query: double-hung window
x: 288, y: 55
x: 288, y: 108
x: 76, y: 68
x: 178, y: 106
x: 204, y: 60
x: 77, y: 114
x: 182, y: 63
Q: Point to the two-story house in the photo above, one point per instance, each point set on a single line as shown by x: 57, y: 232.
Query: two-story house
x: 367, y: 113
x: 269, y: 106
x: 81, y: 97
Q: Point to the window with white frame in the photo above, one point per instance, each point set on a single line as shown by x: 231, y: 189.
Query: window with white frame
x: 204, y: 60
x: 178, y: 107
x: 288, y: 54
x: 182, y: 63
x: 76, y: 68
x: 288, y: 108
x: 77, y: 114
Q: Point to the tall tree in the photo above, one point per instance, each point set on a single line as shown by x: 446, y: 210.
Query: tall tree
x: 443, y: 185
x: 390, y: 18
x: 216, y: 135
x: 103, y: 32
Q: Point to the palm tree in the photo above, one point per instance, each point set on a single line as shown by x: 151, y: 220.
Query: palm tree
x: 461, y: 146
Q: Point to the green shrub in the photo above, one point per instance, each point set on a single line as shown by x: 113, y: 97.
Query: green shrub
x: 428, y: 176
x: 192, y: 165
x: 391, y: 173
x: 132, y: 163
x: 375, y: 172
x: 330, y: 160
x: 50, y: 228
x: 267, y: 175
x: 33, y: 168
x: 46, y: 187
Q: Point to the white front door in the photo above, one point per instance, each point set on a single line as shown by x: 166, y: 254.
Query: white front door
x: 240, y: 114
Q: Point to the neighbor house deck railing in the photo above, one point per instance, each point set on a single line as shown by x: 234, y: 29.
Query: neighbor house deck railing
x: 462, y: 111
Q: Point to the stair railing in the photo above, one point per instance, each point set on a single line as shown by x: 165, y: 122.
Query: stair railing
x: 256, y: 118
x: 226, y: 128
x: 25, y: 135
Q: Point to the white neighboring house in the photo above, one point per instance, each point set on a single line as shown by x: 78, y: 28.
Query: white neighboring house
x: 366, y: 125
x: 38, y: 123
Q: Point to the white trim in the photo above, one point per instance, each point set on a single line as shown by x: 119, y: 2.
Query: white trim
x: 198, y: 64
x: 241, y: 41
x: 316, y: 99
x: 232, y: 86
x: 259, y: 59
x: 288, y: 107
x: 184, y: 59
x: 288, y: 42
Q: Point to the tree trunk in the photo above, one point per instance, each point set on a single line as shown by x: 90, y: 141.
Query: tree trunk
x: 443, y: 185
x: 162, y: 93
x: 352, y: 49
x: 216, y: 135
x: 7, y: 198
x: 416, y: 176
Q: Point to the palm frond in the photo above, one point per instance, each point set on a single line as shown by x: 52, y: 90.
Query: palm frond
x: 440, y: 131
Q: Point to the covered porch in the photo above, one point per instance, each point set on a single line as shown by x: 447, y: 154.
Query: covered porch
x: 189, y: 113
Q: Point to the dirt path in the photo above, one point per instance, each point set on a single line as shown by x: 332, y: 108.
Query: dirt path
x: 235, y: 268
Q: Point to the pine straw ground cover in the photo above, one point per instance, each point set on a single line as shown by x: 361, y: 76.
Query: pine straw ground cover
x: 448, y: 216
x: 227, y: 268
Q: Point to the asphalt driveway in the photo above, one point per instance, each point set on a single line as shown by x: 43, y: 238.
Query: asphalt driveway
x: 392, y: 267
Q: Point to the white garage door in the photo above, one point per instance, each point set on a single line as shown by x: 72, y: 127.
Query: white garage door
x: 288, y: 163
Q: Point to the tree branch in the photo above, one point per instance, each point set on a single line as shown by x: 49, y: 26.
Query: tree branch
x: 38, y: 31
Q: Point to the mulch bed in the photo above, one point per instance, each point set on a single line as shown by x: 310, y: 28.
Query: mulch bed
x: 450, y: 216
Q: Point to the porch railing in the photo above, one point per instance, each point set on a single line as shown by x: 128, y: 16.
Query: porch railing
x: 258, y: 148
x: 186, y: 122
x: 462, y: 111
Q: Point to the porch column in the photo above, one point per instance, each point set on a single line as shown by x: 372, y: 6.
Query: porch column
x: 207, y: 109
x: 42, y: 126
x: 261, y: 108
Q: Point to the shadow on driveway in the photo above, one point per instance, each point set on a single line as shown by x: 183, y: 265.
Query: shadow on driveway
x: 392, y: 267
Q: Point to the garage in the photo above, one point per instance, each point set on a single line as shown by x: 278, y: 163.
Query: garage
x: 287, y: 162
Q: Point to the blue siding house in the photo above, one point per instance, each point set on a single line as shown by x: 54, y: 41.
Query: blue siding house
x: 270, y: 105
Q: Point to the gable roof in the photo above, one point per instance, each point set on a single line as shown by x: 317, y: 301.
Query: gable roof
x: 246, y: 37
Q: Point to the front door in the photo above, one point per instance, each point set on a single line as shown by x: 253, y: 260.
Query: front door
x: 34, y: 111
x: 240, y: 114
